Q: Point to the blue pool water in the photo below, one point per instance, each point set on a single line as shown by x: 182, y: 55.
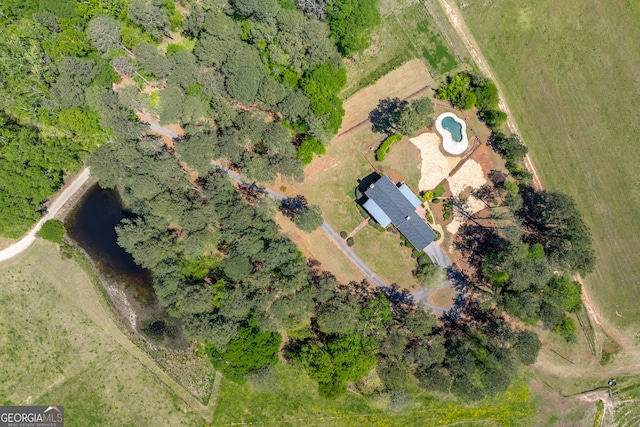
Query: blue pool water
x: 450, y: 124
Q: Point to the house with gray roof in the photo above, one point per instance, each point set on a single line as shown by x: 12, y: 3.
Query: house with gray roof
x: 396, y: 204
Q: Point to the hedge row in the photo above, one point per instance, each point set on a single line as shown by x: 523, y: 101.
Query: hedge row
x: 383, y: 149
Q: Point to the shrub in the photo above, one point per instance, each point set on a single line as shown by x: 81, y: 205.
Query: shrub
x: 363, y: 213
x: 350, y: 241
x: 308, y: 148
x: 448, y: 209
x: 406, y: 243
x: 159, y: 329
x: 566, y: 328
x: 66, y: 251
x: 429, y: 217
x: 438, y: 192
x: 383, y: 149
x: 52, y: 230
x: 343, y: 234
x: 424, y: 259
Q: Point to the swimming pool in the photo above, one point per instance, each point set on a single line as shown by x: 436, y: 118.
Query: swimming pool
x: 450, y: 124
x: 454, y: 133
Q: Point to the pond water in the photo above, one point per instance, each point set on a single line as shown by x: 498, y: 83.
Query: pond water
x: 92, y: 225
x: 452, y: 125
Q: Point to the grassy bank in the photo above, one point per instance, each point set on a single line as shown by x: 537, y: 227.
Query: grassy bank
x: 569, y: 71
x: 286, y: 397
x: 62, y: 346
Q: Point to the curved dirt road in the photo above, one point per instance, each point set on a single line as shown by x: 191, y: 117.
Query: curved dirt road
x: 60, y: 200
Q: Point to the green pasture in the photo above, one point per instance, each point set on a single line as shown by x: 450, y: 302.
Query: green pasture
x: 569, y: 71
x: 408, y: 29
x: 285, y: 396
x: 54, y: 353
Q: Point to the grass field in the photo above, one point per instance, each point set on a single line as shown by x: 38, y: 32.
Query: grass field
x: 332, y: 187
x: 407, y: 30
x: 318, y: 246
x: 403, y: 158
x: 286, y: 397
x: 383, y: 252
x: 4, y: 242
x: 570, y: 74
x: 61, y: 346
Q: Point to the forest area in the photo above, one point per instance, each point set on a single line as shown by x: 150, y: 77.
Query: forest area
x: 255, y: 84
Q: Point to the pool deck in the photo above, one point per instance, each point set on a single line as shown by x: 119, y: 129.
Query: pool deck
x: 449, y: 145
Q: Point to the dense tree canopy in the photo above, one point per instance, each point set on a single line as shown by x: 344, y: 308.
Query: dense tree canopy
x: 32, y: 168
x: 259, y: 92
x: 351, y: 23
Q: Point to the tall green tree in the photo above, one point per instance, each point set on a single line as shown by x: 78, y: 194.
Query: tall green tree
x: 351, y: 23
x: 104, y: 33
x: 150, y: 15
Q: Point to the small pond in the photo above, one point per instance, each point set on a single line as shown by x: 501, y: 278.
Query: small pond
x: 92, y: 225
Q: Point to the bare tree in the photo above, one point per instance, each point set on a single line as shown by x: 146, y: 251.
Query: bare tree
x: 318, y: 8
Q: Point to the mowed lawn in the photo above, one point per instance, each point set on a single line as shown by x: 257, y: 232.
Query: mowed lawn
x: 330, y: 182
x: 53, y: 353
x: 570, y: 71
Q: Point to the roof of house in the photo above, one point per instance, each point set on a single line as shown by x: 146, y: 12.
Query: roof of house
x: 389, y: 204
x: 413, y: 199
x: 377, y: 213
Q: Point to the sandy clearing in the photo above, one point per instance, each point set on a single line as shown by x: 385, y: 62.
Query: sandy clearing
x: 435, y: 164
x: 473, y: 205
x: 469, y: 175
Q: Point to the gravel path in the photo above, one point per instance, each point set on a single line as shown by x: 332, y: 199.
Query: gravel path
x: 63, y: 197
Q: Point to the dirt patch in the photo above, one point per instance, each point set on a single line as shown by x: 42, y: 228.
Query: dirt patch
x: 443, y: 297
x: 488, y: 159
x: 469, y: 175
x: 395, y: 176
x: 436, y: 165
x: 472, y: 206
x: 176, y: 128
x: 401, y: 83
x: 124, y: 81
